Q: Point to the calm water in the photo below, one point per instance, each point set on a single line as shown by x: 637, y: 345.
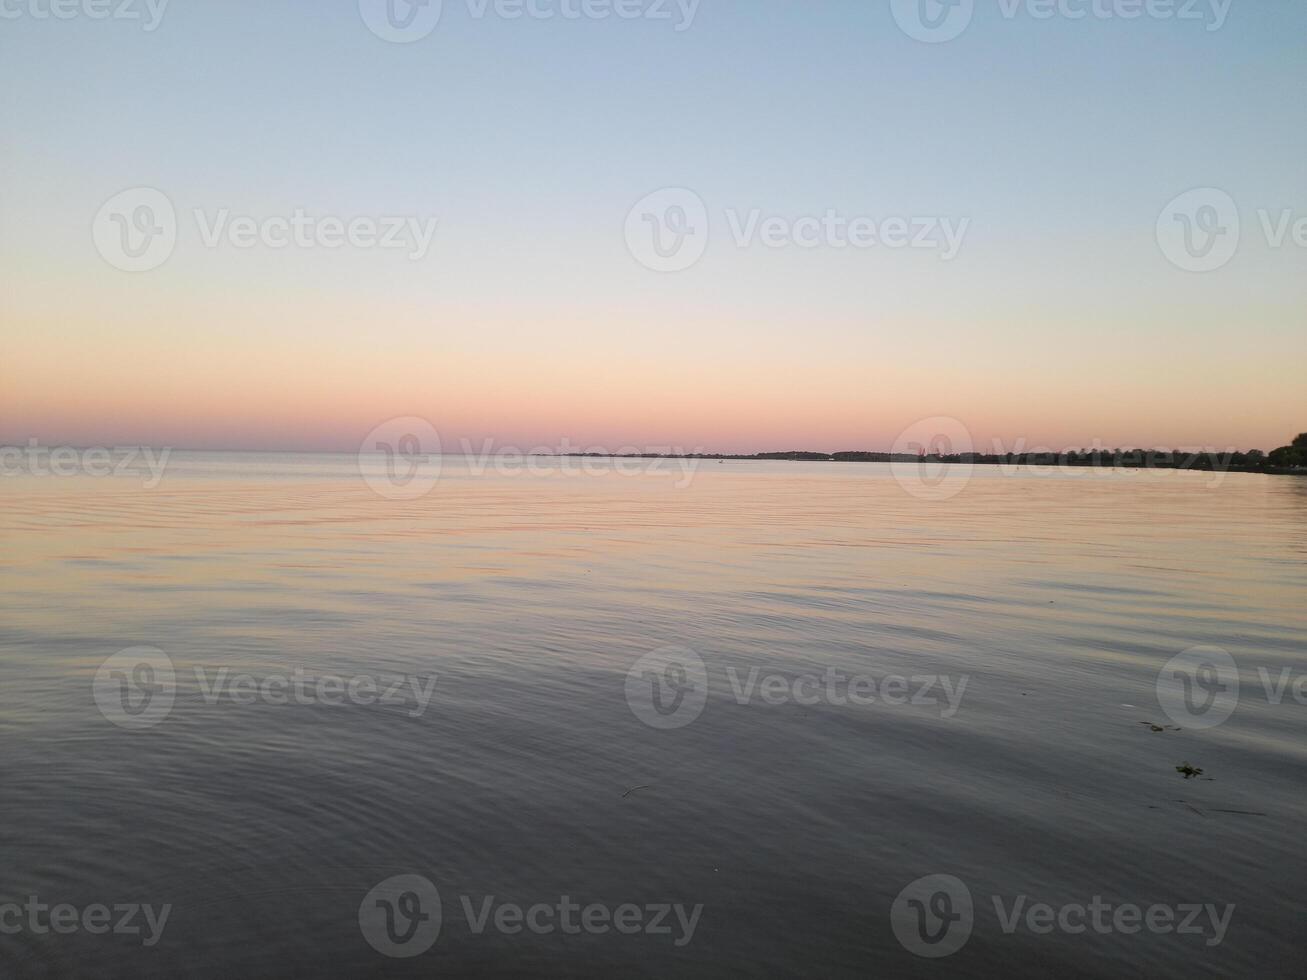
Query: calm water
x: 529, y: 597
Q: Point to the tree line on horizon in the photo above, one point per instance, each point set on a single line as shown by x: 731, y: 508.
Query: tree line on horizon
x: 1285, y: 459
x: 1290, y: 457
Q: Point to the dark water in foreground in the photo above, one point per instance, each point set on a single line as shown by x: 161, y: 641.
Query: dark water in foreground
x: 264, y: 826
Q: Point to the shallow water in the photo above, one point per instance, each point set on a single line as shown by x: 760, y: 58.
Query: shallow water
x: 529, y: 596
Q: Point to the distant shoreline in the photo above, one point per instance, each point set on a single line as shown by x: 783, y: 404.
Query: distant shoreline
x: 1205, y: 462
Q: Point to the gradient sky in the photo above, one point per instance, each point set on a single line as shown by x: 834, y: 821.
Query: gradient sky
x: 1060, y: 321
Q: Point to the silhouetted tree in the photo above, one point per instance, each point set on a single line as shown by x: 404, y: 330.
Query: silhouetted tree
x: 1291, y: 456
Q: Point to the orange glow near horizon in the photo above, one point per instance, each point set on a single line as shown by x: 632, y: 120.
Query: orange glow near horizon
x: 265, y: 390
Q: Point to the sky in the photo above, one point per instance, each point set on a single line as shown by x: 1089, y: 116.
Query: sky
x: 1039, y: 294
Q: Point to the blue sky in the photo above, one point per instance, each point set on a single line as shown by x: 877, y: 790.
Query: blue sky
x: 1059, y: 141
